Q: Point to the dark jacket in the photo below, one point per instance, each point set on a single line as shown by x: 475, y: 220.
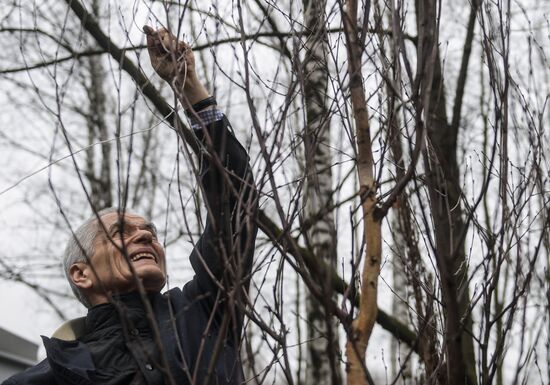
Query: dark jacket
x: 200, y: 324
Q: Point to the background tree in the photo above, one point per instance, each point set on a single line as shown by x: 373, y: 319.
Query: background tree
x: 322, y: 365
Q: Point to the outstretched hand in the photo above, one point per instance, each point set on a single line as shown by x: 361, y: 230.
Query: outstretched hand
x: 172, y: 59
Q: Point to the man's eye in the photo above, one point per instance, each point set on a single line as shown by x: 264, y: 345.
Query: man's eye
x: 119, y: 233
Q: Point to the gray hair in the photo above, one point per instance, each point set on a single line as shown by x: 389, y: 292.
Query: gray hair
x: 80, y: 248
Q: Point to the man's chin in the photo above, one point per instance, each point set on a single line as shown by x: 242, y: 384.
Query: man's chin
x: 152, y: 277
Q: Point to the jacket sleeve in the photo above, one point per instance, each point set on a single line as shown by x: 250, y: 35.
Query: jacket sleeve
x: 222, y: 257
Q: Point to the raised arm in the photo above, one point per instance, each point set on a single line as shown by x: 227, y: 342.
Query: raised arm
x: 222, y: 258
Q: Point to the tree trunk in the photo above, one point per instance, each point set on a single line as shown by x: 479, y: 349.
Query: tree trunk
x: 361, y: 328
x: 322, y: 357
x: 443, y: 182
x: 100, y: 182
x: 400, y: 302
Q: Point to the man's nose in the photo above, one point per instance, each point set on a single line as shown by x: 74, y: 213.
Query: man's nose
x: 143, y: 236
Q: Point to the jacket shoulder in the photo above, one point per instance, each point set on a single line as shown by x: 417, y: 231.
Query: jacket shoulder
x: 41, y: 374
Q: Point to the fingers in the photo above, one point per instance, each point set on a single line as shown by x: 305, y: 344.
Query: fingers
x: 153, y: 45
x: 161, y: 42
x: 148, y: 30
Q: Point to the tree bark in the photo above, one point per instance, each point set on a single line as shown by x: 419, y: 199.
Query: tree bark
x: 322, y: 358
x: 100, y: 183
x: 443, y: 182
x: 361, y: 328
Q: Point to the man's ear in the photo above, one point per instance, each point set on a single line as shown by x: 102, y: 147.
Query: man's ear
x: 81, y: 275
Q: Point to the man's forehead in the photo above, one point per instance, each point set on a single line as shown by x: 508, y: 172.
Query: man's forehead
x: 112, y: 218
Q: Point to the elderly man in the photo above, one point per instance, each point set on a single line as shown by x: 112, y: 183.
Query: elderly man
x: 115, y: 264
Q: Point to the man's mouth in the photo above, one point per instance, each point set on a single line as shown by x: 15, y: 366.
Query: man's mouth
x: 144, y: 255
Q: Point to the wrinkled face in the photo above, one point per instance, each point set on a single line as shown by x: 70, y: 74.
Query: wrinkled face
x: 134, y: 240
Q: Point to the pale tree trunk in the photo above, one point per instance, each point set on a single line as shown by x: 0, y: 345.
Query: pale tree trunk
x: 361, y: 327
x: 401, y: 363
x: 399, y: 305
x: 322, y: 355
x: 100, y: 180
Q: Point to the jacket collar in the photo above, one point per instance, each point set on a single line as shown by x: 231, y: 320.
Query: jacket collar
x: 127, y: 309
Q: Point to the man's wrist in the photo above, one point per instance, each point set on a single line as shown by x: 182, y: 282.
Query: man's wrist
x: 190, y: 89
